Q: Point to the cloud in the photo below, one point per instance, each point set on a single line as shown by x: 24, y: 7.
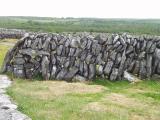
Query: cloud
x: 81, y: 8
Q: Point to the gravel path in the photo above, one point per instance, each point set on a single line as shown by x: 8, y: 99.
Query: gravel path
x: 8, y: 110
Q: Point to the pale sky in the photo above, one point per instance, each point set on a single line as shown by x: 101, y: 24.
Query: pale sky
x: 82, y: 8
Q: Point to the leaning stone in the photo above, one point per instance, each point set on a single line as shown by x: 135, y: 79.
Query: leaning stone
x: 149, y: 65
x: 83, y: 55
x: 67, y: 50
x: 81, y: 68
x: 138, y: 48
x: 108, y: 68
x: 118, y: 59
x: 40, y: 44
x: 59, y: 50
x: 89, y: 44
x: 116, y: 39
x: 114, y: 74
x: 144, y: 45
x: 99, y: 69
x: 61, y: 75
x: 88, y: 58
x: 121, y: 67
x: 72, y: 61
x: 135, y: 42
x: 129, y: 50
x: 105, y: 56
x: 85, y: 70
x: 45, y: 68
x: 119, y: 48
x: 53, y: 44
x: 94, y: 46
x: 116, y: 45
x: 79, y: 78
x: 131, y: 66
x: 63, y: 54
x: 67, y: 43
x: 35, y: 44
x: 142, y: 71
x: 122, y: 41
x: 29, y: 42
x: 131, y: 41
x: 98, y: 49
x: 67, y: 64
x: 72, y: 51
x: 158, y: 44
x: 152, y: 48
x: 71, y: 73
x: 53, y: 72
x: 113, y: 55
x: 149, y: 44
x: 157, y: 54
x: 77, y: 52
x: 53, y: 58
x: 158, y: 69
x: 99, y: 59
x: 92, y: 71
x: 156, y: 58
x: 84, y: 44
x: 77, y: 63
x: 136, y: 67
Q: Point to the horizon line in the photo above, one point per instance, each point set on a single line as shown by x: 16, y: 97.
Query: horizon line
x: 69, y: 17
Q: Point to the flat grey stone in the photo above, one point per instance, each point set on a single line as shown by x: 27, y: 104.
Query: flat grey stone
x: 79, y: 78
x: 7, y: 108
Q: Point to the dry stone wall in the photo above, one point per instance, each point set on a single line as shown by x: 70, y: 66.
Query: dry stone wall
x: 11, y: 33
x: 84, y: 56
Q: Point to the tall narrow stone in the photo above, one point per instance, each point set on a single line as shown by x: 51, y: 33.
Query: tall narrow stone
x: 45, y: 68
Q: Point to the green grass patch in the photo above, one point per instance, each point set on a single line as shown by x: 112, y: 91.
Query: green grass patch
x: 3, y: 51
x: 38, y: 100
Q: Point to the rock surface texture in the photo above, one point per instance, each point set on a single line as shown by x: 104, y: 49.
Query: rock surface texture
x: 66, y: 56
x: 8, y: 110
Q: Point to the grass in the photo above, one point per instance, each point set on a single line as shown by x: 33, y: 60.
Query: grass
x: 3, y: 51
x: 136, y: 26
x: 5, y: 45
x: 9, y: 41
x: 97, y: 100
x: 55, y: 100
